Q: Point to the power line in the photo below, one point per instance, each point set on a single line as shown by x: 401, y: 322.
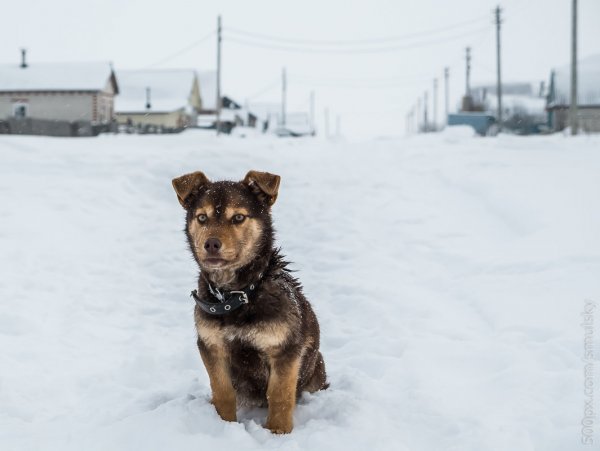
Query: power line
x: 484, y: 67
x: 357, y: 50
x: 416, y: 109
x: 390, y: 78
x: 352, y: 42
x: 265, y: 89
x: 186, y: 49
x: 398, y: 84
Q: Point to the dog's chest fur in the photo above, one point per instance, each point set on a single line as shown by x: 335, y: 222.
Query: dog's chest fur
x: 273, y: 319
x: 263, y: 335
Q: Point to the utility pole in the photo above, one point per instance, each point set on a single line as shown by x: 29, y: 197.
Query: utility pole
x: 498, y: 21
x: 468, y: 79
x: 574, y: 120
x: 446, y: 102
x: 218, y: 105
x: 326, y: 122
x: 418, y: 116
x: 435, y: 99
x: 312, y: 110
x: 425, y: 122
x: 283, y: 93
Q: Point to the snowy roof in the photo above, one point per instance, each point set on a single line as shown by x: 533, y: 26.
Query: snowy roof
x: 170, y: 90
x: 208, y: 89
x: 518, y: 104
x: 588, y: 77
x: 93, y: 76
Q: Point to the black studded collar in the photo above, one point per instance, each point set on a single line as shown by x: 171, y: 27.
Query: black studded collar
x: 227, y: 301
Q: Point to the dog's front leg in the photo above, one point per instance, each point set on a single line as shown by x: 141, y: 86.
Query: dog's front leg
x: 217, y: 365
x: 281, y: 393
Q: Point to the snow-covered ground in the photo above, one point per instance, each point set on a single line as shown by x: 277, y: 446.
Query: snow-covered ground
x: 449, y: 274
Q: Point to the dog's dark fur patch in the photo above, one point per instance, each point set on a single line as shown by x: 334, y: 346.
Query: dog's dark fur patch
x: 266, y: 352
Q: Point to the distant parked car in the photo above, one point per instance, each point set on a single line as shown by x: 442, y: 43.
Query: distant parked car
x: 482, y: 123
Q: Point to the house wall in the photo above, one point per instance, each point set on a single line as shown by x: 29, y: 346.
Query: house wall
x: 46, y: 127
x: 67, y: 106
x: 103, y: 110
x: 95, y: 107
x: 174, y: 119
x: 589, y: 119
x: 195, y: 100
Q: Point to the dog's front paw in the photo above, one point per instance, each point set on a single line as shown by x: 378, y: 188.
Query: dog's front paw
x: 279, y: 426
x: 226, y: 410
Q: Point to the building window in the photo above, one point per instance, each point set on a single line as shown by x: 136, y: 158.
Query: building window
x: 20, y: 110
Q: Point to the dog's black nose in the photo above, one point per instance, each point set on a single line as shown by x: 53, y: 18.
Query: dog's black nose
x: 212, y: 245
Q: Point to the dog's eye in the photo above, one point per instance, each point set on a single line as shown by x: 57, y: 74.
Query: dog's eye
x: 238, y: 218
x: 202, y: 218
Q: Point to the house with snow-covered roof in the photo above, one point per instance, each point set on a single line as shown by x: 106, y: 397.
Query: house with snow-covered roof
x: 588, y: 95
x: 167, y: 99
x: 66, y: 92
x: 523, y: 105
x: 232, y: 113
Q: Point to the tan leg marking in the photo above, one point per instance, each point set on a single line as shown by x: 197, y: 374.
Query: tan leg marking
x: 223, y: 393
x: 281, y: 395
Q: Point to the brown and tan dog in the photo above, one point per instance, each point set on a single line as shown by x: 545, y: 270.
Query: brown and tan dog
x: 257, y: 334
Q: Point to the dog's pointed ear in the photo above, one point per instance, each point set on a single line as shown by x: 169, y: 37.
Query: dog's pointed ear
x: 264, y: 185
x: 188, y: 186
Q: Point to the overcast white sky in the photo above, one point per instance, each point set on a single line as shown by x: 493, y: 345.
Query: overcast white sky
x: 370, y: 91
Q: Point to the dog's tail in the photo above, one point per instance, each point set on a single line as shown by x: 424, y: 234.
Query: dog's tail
x: 318, y: 381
